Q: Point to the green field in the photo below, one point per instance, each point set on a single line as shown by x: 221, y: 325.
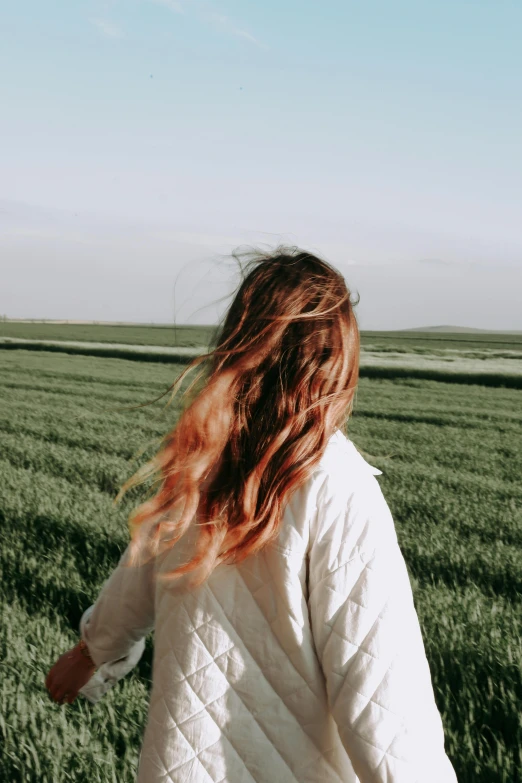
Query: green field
x: 184, y: 335
x: 451, y: 456
x: 187, y: 335
x: 488, y: 359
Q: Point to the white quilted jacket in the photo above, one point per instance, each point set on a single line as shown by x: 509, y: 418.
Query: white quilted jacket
x: 303, y: 664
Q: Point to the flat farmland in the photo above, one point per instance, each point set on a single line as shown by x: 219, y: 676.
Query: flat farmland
x: 487, y: 358
x: 70, y: 434
x: 194, y: 335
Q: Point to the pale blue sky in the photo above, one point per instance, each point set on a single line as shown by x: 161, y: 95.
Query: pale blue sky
x: 139, y: 136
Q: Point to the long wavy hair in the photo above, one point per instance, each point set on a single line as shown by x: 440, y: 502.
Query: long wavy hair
x: 278, y: 381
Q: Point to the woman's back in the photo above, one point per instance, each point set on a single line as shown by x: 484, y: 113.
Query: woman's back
x: 303, y: 663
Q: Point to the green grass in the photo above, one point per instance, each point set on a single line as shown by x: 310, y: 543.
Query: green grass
x: 487, y: 359
x: 188, y: 335
x: 451, y: 457
x: 184, y: 335
x: 491, y: 368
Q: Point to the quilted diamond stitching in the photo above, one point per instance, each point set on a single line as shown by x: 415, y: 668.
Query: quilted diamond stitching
x: 242, y: 701
x: 355, y: 644
x: 230, y: 685
x: 195, y: 715
x: 331, y: 602
x: 206, y: 665
x: 170, y: 770
x: 278, y: 591
x: 204, y: 708
x: 343, y: 565
x: 276, y: 640
x: 384, y: 753
x: 305, y: 684
x: 359, y: 647
x: 348, y: 684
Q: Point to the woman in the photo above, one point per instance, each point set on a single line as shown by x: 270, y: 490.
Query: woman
x: 286, y: 642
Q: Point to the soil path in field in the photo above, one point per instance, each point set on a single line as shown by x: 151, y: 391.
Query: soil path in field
x: 159, y: 349
x: 449, y: 363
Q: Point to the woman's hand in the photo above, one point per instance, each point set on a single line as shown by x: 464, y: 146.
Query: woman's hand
x: 71, y: 672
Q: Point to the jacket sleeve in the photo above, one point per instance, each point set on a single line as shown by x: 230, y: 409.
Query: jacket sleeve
x: 123, y: 613
x: 369, y: 642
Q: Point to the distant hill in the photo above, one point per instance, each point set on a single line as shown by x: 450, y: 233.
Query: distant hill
x: 437, y: 329
x: 458, y: 330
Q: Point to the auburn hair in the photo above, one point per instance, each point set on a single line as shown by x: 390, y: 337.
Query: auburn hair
x: 278, y: 381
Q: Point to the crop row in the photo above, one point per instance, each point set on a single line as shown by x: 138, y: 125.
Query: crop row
x: 451, y: 458
x: 94, y: 375
x: 197, y: 335
x: 110, y: 372
x: 40, y: 741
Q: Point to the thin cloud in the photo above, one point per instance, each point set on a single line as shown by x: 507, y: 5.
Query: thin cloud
x: 173, y: 5
x: 225, y: 24
x: 434, y: 261
x: 442, y: 262
x: 219, y: 21
x: 107, y: 29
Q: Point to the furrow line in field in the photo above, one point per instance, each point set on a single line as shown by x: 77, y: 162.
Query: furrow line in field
x: 52, y: 511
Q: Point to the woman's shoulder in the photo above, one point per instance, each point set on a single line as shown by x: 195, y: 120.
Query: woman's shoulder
x: 341, y: 471
x: 342, y: 453
x: 348, y: 495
